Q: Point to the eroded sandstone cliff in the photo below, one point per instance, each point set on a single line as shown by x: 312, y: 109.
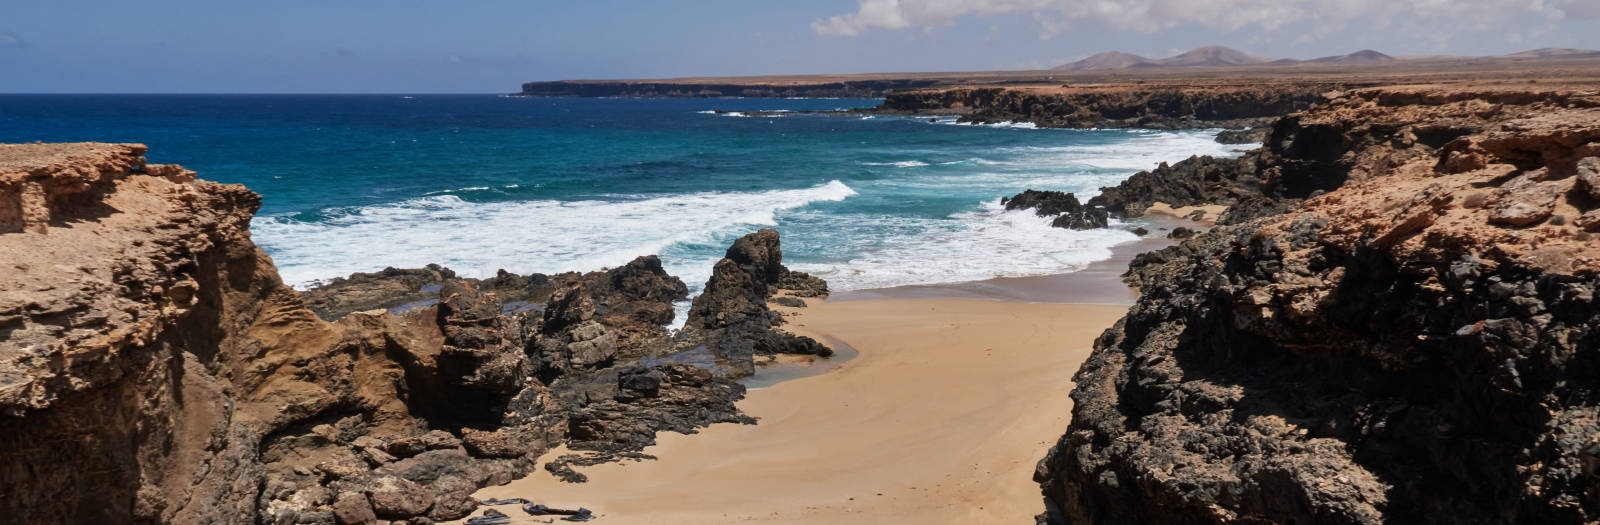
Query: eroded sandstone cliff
x: 155, y: 369
x: 1415, y: 342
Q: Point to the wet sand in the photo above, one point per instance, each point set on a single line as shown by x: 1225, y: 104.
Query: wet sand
x: 940, y: 419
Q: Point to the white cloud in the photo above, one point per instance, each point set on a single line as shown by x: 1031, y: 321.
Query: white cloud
x: 12, y: 40
x: 1148, y: 16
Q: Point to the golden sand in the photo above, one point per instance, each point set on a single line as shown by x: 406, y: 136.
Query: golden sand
x: 940, y: 419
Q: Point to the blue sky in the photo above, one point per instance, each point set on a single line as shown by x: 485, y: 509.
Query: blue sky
x: 413, y: 46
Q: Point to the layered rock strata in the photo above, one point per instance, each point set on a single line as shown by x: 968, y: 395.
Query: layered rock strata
x: 154, y: 368
x: 1412, y: 343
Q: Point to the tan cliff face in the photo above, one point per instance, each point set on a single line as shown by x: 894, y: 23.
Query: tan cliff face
x: 155, y: 369
x: 1434, y: 174
x: 141, y: 330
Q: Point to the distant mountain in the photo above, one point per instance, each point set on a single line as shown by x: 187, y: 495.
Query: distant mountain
x: 1365, y: 56
x: 1552, y: 52
x: 1106, y: 60
x: 1211, y: 56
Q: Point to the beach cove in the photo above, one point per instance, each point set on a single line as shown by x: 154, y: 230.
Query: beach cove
x: 956, y: 388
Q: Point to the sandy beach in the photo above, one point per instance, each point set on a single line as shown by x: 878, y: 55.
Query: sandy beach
x: 940, y: 419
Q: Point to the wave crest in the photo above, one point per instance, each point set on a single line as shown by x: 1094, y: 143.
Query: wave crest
x: 476, y: 239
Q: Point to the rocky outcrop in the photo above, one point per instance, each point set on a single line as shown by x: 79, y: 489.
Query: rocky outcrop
x: 1411, y: 344
x: 732, y: 319
x: 154, y: 368
x: 1112, y: 107
x: 1068, y: 212
x: 1192, y: 182
x: 131, y: 290
x: 1255, y: 135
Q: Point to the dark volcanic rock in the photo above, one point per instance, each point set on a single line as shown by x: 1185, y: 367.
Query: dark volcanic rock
x: 731, y: 317
x: 1044, y: 203
x: 1393, y: 351
x: 1068, y: 212
x: 1191, y: 182
x: 1255, y: 135
x: 1153, y: 108
x: 801, y: 284
x: 677, y: 397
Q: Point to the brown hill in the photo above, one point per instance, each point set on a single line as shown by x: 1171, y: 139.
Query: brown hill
x: 1106, y: 60
x: 1365, y: 56
x: 1211, y: 56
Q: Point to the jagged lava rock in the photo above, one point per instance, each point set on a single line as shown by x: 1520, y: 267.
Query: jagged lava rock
x: 1066, y: 209
x: 731, y: 316
x: 1390, y: 351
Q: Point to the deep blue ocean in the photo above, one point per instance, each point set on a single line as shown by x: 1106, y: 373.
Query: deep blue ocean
x: 484, y: 182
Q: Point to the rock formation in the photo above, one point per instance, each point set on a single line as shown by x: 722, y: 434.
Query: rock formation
x: 1109, y: 107
x: 154, y: 368
x: 732, y: 319
x: 1066, y: 209
x: 1190, y: 182
x: 1413, y: 343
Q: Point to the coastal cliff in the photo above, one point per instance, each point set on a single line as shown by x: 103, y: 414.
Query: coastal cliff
x: 154, y: 368
x: 648, y: 89
x: 1406, y: 333
x: 1131, y: 106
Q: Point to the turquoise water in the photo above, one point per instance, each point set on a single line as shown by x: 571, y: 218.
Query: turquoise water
x: 482, y: 182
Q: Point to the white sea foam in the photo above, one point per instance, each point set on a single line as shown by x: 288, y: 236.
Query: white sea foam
x: 898, y: 164
x: 475, y: 239
x: 1147, y: 150
x: 991, y: 242
x: 768, y: 113
x: 1007, y: 124
x: 983, y: 244
x: 458, y: 190
x: 690, y: 230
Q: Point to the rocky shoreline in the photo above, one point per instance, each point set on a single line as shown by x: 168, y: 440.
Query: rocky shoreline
x: 177, y: 379
x: 1392, y: 324
x: 1124, y: 107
